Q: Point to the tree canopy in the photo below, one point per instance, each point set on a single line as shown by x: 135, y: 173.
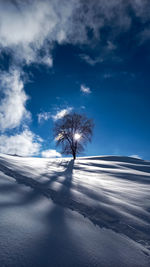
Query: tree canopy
x: 73, y: 132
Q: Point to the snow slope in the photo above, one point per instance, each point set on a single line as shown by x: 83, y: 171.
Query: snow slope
x: 89, y: 212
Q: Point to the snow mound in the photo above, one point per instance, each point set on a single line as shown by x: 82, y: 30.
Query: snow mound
x: 112, y: 192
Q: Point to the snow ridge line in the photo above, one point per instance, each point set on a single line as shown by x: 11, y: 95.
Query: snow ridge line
x: 94, y: 214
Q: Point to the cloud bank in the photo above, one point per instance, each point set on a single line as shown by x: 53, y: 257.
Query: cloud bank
x: 23, y: 144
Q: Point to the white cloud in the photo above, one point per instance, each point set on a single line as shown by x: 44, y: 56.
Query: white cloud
x: 43, y: 116
x: 135, y: 156
x: 108, y: 75
x: 50, y: 153
x: 91, y: 61
x: 61, y: 113
x: 31, y: 25
x: 85, y: 89
x: 23, y: 144
x: 47, y: 60
x: 111, y: 46
x: 12, y: 104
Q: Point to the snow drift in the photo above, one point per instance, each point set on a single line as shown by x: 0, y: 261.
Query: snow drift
x: 112, y: 193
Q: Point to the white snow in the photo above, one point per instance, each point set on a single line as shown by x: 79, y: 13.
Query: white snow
x: 89, y: 212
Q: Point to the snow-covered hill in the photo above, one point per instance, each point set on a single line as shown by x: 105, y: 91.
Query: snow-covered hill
x: 90, y: 212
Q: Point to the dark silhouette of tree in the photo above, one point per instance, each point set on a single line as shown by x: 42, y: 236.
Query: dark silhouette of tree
x: 72, y: 132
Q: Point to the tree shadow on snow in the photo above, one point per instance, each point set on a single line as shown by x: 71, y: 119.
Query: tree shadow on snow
x: 36, y: 187
x: 60, y: 246
x: 55, y: 245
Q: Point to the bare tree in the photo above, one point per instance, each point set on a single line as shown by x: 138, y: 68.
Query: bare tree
x: 72, y: 132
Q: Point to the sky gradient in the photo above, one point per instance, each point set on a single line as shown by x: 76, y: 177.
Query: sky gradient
x: 84, y: 56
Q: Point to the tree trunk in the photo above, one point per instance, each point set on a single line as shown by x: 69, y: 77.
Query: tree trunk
x: 74, y: 155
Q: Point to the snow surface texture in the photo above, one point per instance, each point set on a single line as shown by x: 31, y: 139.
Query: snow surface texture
x: 42, y: 202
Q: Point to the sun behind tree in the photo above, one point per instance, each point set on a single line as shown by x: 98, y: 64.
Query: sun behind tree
x: 72, y: 132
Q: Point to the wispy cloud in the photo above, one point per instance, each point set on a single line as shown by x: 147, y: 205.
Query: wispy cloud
x: 111, y: 46
x: 43, y: 116
x: 61, y: 113
x: 50, y: 153
x: 84, y: 89
x: 22, y: 144
x: 108, y: 75
x: 90, y: 60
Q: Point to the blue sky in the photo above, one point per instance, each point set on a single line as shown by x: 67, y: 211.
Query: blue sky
x: 82, y: 56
